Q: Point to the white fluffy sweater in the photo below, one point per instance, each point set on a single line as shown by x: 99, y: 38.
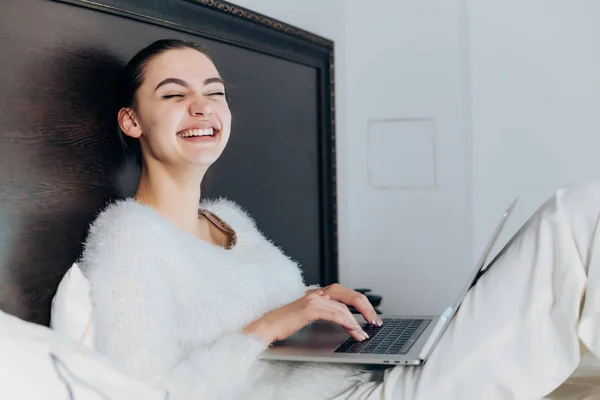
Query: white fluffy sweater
x: 170, y: 308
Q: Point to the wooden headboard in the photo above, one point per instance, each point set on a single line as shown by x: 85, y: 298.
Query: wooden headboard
x: 60, y: 156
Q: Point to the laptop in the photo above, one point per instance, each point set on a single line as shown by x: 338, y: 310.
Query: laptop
x: 403, y: 339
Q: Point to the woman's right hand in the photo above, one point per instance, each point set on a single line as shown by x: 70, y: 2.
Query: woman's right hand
x: 286, y: 320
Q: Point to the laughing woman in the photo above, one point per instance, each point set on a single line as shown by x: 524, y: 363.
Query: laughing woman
x: 187, y: 292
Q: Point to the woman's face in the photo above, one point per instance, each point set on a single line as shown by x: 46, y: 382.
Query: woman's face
x: 181, y: 115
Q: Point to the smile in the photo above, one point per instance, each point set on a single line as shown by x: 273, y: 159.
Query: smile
x: 197, y: 132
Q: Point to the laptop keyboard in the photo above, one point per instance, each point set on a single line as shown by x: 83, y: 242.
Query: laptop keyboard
x: 396, y: 336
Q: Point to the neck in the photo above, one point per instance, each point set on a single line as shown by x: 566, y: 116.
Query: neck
x: 175, y: 196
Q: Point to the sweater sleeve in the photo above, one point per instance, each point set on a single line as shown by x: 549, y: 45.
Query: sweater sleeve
x: 134, y: 323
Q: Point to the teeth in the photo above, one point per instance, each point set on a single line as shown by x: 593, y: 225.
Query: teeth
x: 197, y: 132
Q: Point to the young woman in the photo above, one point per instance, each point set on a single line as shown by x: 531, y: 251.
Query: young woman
x: 188, y: 293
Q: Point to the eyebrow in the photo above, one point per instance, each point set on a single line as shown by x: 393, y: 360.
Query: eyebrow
x: 183, y: 83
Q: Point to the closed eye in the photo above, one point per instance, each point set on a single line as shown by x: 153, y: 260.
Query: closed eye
x: 217, y: 94
x: 169, y: 96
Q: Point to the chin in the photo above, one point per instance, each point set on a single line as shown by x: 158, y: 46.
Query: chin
x: 205, y: 160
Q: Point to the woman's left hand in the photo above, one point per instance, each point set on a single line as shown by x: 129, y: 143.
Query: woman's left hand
x: 351, y: 298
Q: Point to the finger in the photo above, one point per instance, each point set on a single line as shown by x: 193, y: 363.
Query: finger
x: 343, y: 295
x: 353, y: 327
x: 364, y: 306
x: 330, y: 310
x: 358, y: 301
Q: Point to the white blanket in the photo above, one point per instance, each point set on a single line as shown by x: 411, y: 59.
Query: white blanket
x: 37, y: 363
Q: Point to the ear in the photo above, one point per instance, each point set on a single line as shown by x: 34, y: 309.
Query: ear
x: 128, y: 123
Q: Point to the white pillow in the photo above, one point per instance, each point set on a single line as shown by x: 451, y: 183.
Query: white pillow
x: 37, y: 363
x: 72, y: 311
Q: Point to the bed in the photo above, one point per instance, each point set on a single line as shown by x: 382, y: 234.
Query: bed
x: 61, y: 160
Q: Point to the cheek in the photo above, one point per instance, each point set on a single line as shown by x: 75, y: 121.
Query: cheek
x: 165, y: 120
x: 225, y: 117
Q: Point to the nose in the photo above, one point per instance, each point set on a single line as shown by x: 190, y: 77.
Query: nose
x: 201, y: 108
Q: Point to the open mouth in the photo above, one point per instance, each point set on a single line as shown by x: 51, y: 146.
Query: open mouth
x: 198, y: 133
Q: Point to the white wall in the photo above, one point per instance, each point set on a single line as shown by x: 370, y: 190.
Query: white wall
x: 514, y: 90
x: 405, y: 60
x: 535, y: 81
